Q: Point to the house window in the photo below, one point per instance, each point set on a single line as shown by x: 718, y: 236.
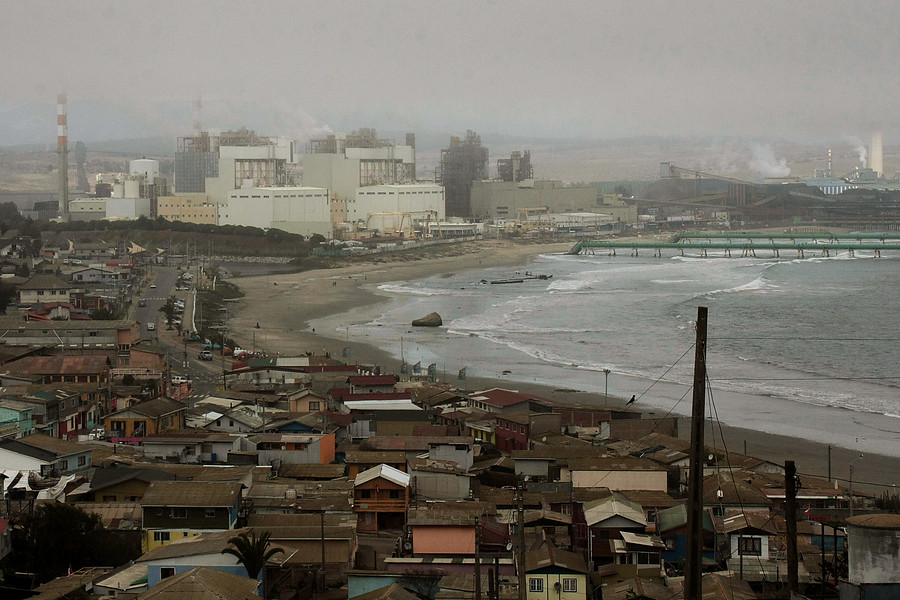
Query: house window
x: 209, y: 513
x: 165, y: 572
x: 570, y: 584
x: 750, y: 546
x: 522, y: 430
x: 365, y: 493
x: 160, y: 536
x: 231, y: 422
x: 82, y: 460
x: 313, y: 406
x: 535, y: 584
x: 64, y: 465
x: 394, y: 494
x: 179, y: 513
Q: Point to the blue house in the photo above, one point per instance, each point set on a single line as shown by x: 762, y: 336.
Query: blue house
x: 672, y: 528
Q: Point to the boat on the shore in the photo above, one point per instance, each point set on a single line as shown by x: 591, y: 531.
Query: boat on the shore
x: 519, y: 278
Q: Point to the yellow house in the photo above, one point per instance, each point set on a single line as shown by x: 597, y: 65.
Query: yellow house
x: 551, y: 573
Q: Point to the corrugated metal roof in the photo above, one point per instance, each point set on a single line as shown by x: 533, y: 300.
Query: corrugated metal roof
x: 192, y: 493
x: 204, y: 583
x: 384, y: 471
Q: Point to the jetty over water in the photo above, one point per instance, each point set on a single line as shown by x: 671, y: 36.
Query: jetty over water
x: 748, y: 244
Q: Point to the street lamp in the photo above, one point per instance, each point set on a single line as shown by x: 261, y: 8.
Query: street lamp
x: 606, y: 388
x: 851, y: 482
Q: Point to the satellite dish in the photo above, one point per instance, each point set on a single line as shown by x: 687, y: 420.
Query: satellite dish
x: 720, y: 494
x: 710, y: 457
x: 407, y: 546
x: 508, y: 546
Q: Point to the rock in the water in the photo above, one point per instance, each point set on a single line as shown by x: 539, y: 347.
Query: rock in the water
x: 429, y: 320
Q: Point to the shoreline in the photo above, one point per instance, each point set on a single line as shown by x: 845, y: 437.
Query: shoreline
x: 288, y: 307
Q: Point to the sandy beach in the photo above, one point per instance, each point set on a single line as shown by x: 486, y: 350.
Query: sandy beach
x: 284, y: 305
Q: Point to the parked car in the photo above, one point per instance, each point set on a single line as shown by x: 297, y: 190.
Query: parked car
x: 142, y: 302
x: 205, y: 355
x: 151, y: 326
x: 152, y: 286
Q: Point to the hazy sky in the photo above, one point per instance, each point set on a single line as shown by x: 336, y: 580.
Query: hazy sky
x: 803, y: 70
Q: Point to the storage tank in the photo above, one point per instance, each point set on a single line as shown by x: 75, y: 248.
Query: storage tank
x: 132, y: 187
x: 118, y: 190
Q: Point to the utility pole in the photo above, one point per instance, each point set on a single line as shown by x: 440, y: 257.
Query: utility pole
x: 693, y: 589
x: 520, y: 526
x: 477, y: 558
x: 790, y: 509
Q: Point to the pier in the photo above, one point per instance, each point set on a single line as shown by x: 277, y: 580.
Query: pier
x: 748, y: 244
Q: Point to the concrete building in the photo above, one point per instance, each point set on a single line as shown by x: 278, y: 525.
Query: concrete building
x: 344, y: 162
x: 873, y: 557
x: 189, y: 208
x: 504, y: 199
x: 300, y: 210
x: 415, y: 199
x: 245, y: 154
x: 87, y: 209
x: 464, y: 162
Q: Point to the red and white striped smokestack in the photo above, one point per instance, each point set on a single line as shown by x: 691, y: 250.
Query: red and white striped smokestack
x: 62, y: 127
x: 62, y: 148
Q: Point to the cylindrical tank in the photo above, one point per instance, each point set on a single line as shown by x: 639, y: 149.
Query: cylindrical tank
x: 132, y: 188
x: 118, y: 190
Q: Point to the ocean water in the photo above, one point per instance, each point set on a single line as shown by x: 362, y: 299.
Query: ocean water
x: 805, y: 347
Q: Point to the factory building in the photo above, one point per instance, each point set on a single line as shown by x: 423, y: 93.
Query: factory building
x: 415, y: 199
x: 215, y: 162
x: 132, y: 195
x: 188, y: 208
x: 463, y: 163
x: 492, y: 200
x: 343, y: 162
x: 87, y: 209
x: 301, y: 210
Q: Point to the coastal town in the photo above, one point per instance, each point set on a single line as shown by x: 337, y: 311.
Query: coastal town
x: 303, y: 474
x: 196, y: 400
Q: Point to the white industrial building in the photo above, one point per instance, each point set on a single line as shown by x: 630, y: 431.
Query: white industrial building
x: 416, y: 199
x: 301, y: 210
x: 262, y: 166
x: 87, y: 209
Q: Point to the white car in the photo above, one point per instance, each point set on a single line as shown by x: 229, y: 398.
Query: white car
x: 152, y: 286
x: 151, y: 326
x: 179, y: 379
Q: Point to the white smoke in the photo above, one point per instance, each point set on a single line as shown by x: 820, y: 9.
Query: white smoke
x: 763, y: 161
x: 863, y: 154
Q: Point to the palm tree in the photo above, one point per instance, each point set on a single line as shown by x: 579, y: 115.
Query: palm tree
x: 251, y: 551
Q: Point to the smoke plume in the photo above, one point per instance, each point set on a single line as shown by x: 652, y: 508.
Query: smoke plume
x: 763, y: 161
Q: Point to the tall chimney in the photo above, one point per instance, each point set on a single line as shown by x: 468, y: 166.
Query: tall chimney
x: 876, y: 154
x: 829, y: 163
x: 62, y: 149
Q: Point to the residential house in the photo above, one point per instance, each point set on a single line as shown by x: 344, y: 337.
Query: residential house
x: 178, y: 509
x: 306, y: 401
x: 372, y: 384
x: 44, y: 288
x: 44, y: 455
x: 360, y: 460
x: 728, y: 494
x: 615, y: 474
x: 278, y: 449
x: 284, y: 497
x: 16, y: 419
x: 122, y: 484
x: 554, y: 573
x: 383, y: 414
x: 65, y: 410
x: 204, y: 583
x: 460, y: 452
x: 672, y: 530
x: 607, y: 518
x: 188, y: 447
x: 96, y: 275
x: 415, y: 446
x: 150, y: 417
x: 749, y: 539
x: 501, y: 401
x: 381, y: 498
x: 439, y: 480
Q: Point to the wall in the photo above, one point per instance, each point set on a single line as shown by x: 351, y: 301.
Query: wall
x: 188, y: 209
x: 443, y: 540
x: 332, y: 171
x: 502, y: 199
x: 874, y: 555
x: 620, y: 480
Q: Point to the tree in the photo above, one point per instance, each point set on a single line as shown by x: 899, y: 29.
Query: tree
x: 251, y: 551
x: 57, y: 537
x: 168, y: 309
x: 7, y: 295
